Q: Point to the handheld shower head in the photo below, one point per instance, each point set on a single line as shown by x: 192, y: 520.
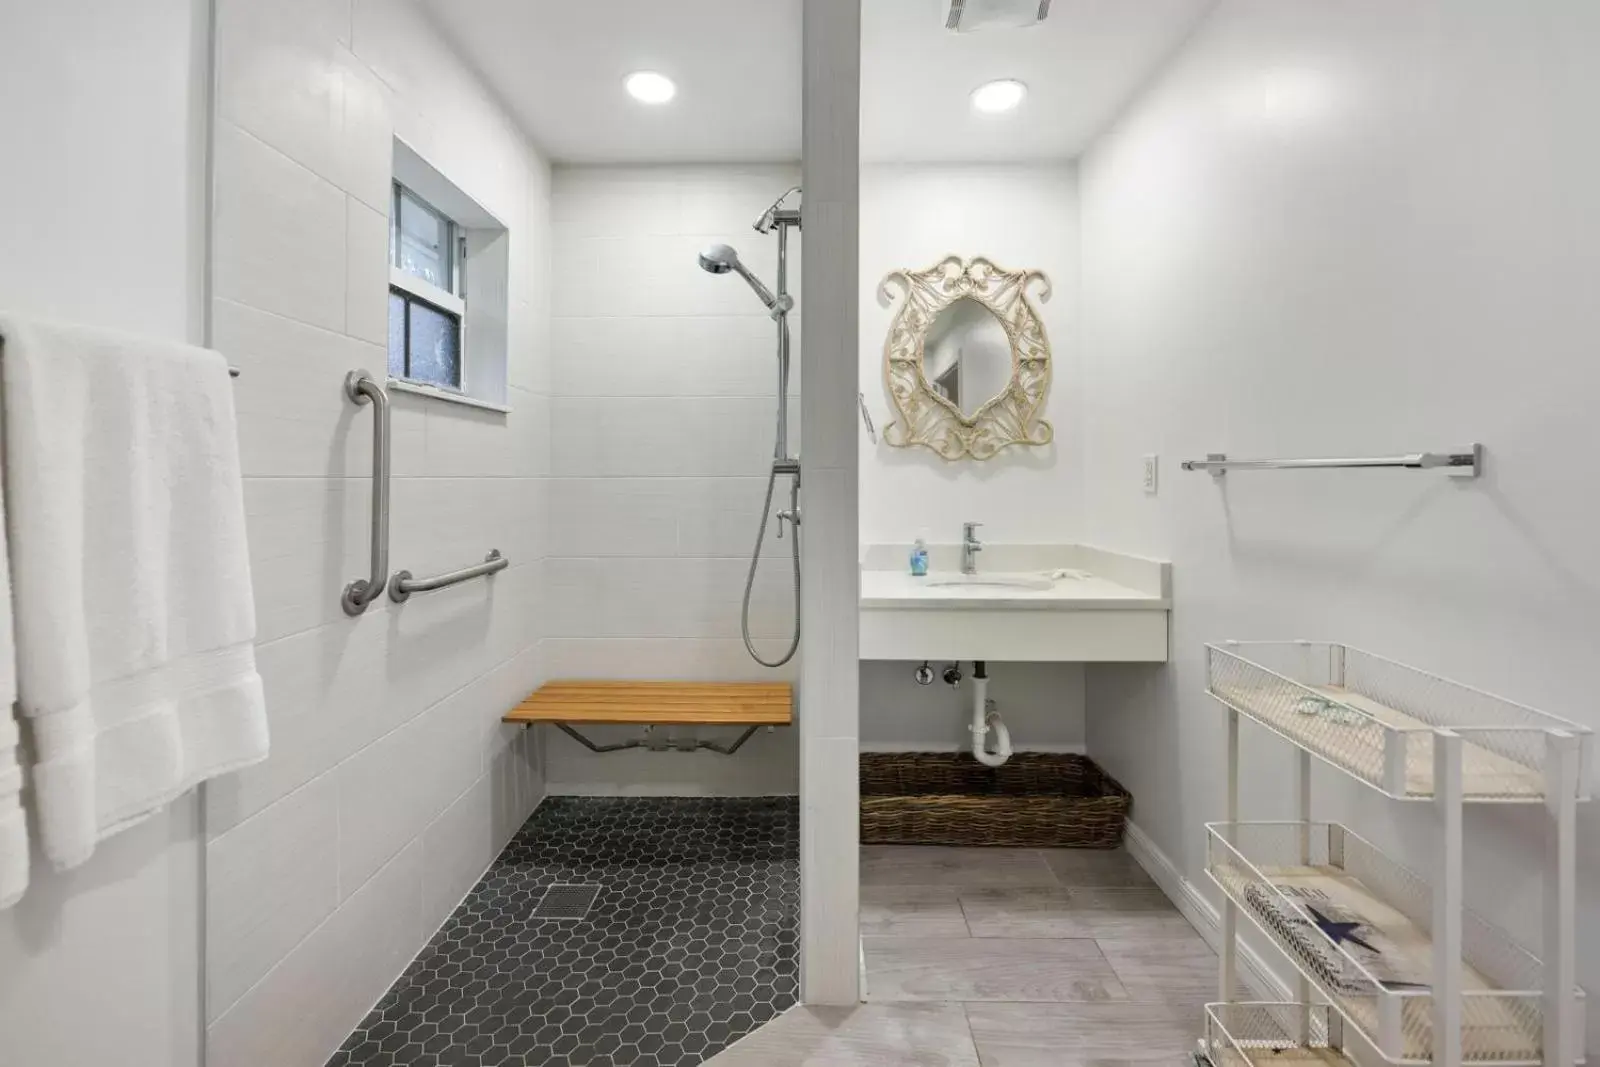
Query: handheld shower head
x: 720, y: 259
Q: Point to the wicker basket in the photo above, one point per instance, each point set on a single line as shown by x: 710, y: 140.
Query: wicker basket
x: 1035, y: 799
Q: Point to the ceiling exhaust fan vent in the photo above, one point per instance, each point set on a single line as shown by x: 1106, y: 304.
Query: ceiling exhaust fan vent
x: 971, y: 16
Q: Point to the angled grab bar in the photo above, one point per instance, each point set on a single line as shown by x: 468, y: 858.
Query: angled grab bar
x: 362, y: 388
x: 402, y: 585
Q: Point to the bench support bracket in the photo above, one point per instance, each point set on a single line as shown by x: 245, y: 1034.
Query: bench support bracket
x: 658, y: 743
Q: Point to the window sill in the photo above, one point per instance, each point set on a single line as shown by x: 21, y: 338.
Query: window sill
x: 400, y: 385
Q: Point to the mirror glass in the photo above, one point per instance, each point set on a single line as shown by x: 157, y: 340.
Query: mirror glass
x: 966, y: 355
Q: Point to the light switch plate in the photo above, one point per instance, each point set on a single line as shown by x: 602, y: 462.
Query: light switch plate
x: 1150, y: 471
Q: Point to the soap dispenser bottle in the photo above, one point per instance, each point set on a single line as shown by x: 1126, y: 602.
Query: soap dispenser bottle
x: 919, y: 556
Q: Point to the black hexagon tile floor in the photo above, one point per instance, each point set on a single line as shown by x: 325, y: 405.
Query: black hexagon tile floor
x: 691, y: 942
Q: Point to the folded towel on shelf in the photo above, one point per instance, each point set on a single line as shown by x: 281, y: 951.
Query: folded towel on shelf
x: 131, y: 589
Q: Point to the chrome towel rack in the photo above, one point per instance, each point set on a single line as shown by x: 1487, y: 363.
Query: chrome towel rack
x: 1458, y: 463
x: 402, y: 585
x: 360, y: 387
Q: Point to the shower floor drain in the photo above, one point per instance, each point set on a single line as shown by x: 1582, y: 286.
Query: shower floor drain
x: 566, y: 902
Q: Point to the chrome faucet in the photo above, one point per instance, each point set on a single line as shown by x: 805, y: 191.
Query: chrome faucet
x: 970, y: 547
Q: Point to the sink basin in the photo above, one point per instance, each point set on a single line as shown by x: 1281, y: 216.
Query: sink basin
x: 990, y: 581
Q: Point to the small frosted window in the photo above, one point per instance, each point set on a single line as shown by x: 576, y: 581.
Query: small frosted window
x: 397, y: 335
x: 424, y: 342
x: 422, y: 241
x: 434, y: 346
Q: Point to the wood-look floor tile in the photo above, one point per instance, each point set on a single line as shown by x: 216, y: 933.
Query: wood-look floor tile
x: 1083, y: 1035
x: 911, y: 911
x: 1095, y: 867
x: 952, y: 969
x: 1171, y: 971
x: 1022, y: 912
x: 1125, y: 913
x: 958, y: 867
x: 871, y: 1035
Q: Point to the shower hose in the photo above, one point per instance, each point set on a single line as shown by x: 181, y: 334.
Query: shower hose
x: 755, y: 561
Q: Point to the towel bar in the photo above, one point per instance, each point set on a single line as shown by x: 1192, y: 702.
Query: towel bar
x: 1458, y: 463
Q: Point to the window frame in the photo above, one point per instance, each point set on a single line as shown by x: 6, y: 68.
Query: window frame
x: 414, y: 289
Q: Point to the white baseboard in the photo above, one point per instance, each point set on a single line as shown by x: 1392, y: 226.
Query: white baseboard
x: 1263, y: 981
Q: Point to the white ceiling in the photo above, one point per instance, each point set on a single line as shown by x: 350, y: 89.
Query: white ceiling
x: 559, y: 66
x: 1081, y: 65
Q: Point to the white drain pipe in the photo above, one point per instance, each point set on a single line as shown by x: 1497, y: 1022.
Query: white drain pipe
x: 984, y: 719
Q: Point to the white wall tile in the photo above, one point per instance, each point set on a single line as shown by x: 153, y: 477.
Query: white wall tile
x: 456, y: 847
x: 294, y: 419
x: 728, y: 355
x: 396, y: 713
x: 322, y: 706
x: 305, y: 1007
x: 668, y: 597
x: 367, y: 142
x: 366, y: 273
x: 279, y: 237
x: 269, y: 883
x: 666, y: 437
x: 277, y: 79
x: 614, y: 516
x: 308, y: 539
x: 662, y: 658
x: 720, y: 517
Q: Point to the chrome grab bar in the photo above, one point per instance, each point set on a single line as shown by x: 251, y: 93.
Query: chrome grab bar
x: 402, y: 585
x: 1458, y: 463
x: 361, y: 388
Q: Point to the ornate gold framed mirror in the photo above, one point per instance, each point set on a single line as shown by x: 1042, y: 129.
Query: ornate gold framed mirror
x: 966, y: 363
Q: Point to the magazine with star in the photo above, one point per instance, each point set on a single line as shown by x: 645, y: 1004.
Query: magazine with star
x: 1318, y: 926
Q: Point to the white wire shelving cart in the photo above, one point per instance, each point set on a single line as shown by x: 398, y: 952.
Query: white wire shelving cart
x: 1448, y: 988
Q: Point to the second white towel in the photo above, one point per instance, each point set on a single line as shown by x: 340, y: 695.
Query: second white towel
x: 134, y: 613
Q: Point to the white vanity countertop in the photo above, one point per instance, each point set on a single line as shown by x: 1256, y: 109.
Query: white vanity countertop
x: 891, y: 589
x: 1114, y: 581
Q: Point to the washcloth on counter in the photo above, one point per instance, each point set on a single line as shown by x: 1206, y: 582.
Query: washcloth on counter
x: 134, y: 615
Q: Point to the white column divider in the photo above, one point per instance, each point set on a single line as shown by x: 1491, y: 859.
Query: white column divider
x: 830, y: 809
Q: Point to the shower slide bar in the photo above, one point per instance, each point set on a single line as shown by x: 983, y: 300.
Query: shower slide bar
x: 402, y: 585
x: 360, y: 387
x: 1458, y: 463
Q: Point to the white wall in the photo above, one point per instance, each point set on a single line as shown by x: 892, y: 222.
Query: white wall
x: 1043, y: 706
x: 664, y: 386
x: 1021, y: 216
x: 102, y: 110
x: 1354, y: 228
x: 391, y: 783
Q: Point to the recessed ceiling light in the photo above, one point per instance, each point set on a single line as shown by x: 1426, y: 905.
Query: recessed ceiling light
x: 649, y: 87
x: 1002, y: 95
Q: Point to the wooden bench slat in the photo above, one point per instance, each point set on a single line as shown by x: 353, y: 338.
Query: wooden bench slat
x: 659, y: 703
